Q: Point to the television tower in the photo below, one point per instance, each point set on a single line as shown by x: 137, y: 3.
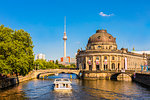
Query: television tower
x: 65, y: 37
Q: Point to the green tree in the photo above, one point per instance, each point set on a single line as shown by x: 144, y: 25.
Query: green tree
x: 45, y: 65
x: 16, y: 51
x: 57, y: 62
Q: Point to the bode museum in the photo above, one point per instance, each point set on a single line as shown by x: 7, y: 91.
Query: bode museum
x: 102, y: 54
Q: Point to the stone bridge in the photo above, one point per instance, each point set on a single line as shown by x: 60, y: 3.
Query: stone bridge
x: 54, y: 71
x: 38, y: 73
x: 79, y: 73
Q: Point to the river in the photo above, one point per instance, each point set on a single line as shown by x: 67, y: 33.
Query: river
x: 41, y: 89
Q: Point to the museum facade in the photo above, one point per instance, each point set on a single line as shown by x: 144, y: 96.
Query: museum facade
x: 101, y: 53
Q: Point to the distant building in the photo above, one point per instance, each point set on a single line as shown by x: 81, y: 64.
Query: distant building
x: 147, y: 53
x: 40, y: 56
x: 65, y: 59
x: 141, y: 52
x: 72, y: 60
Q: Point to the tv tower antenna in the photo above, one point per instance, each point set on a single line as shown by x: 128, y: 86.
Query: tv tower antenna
x: 65, y: 37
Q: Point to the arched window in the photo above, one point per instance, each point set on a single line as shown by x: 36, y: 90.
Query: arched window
x: 118, y: 66
x: 113, y: 66
x: 90, y: 67
x: 84, y: 66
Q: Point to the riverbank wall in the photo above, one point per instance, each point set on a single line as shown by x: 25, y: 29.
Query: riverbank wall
x: 31, y: 75
x: 108, y: 75
x: 7, y: 82
x: 142, y: 78
x: 93, y: 75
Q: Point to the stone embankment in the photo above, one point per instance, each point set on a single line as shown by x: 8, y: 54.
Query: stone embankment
x: 30, y: 76
x: 34, y: 74
x: 115, y: 75
x: 7, y: 82
x: 143, y: 78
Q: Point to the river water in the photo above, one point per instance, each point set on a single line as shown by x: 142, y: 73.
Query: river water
x: 41, y: 89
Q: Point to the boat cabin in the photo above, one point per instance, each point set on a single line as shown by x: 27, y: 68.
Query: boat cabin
x: 62, y: 84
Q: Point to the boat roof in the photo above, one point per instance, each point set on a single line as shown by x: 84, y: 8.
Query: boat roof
x: 62, y: 80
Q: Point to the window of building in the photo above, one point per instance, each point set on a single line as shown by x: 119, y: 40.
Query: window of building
x: 105, y: 67
x: 110, y: 47
x: 97, y: 58
x: 118, y: 66
x: 84, y: 66
x: 90, y: 67
x: 118, y: 58
x: 99, y: 37
x: 97, y: 67
x: 90, y: 58
x: 105, y: 57
x: 89, y: 47
x: 106, y: 47
x: 113, y: 58
x: 109, y: 37
x: 99, y: 46
x: 113, y: 66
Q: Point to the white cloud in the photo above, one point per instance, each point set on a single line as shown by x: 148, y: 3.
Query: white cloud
x: 102, y: 14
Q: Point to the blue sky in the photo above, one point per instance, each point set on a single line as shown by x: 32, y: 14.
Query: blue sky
x: 127, y: 20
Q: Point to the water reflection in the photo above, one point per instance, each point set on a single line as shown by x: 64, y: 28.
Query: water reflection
x: 82, y: 89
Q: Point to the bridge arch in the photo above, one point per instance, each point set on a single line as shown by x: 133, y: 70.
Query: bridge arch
x: 115, y: 76
x: 53, y: 72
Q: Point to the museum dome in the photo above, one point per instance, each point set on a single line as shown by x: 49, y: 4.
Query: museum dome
x: 102, y: 36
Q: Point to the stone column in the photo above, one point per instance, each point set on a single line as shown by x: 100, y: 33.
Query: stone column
x: 122, y: 62
x: 102, y: 67
x: 93, y: 63
x: 116, y: 60
x: 110, y: 62
x: 99, y: 62
x: 86, y: 63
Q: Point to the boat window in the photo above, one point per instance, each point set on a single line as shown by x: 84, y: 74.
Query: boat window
x: 66, y: 80
x: 58, y: 79
x: 67, y: 86
x: 56, y: 85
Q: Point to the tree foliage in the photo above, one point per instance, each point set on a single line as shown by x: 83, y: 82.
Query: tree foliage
x: 16, y: 51
x: 43, y: 64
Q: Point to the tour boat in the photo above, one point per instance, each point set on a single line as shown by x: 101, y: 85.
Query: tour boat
x: 62, y: 84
